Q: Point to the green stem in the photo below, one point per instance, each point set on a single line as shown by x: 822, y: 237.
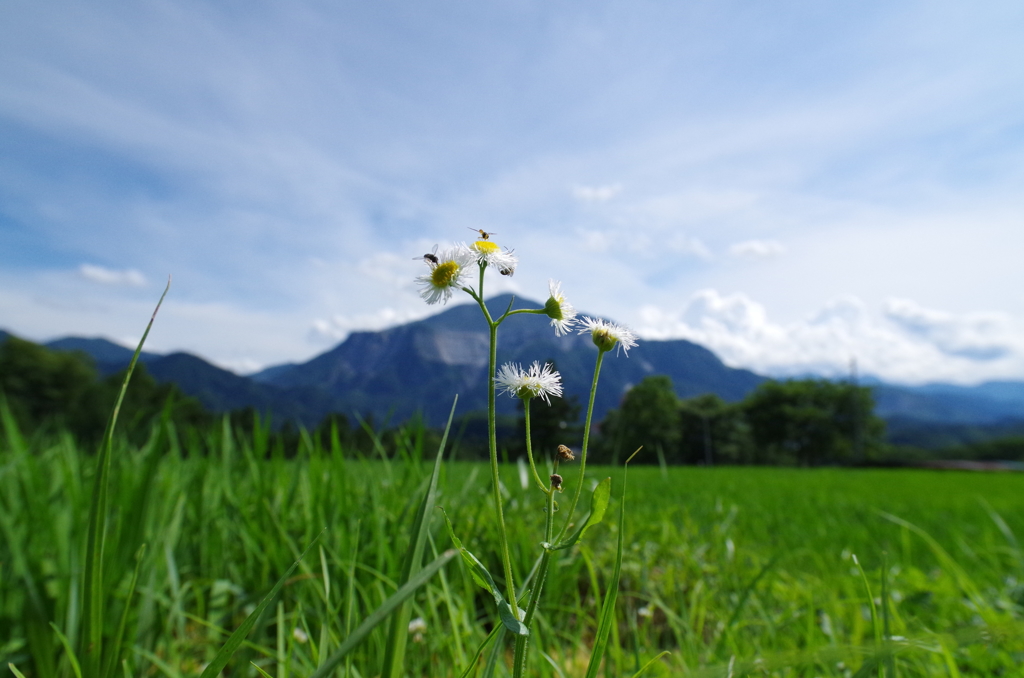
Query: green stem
x: 506, y: 559
x: 522, y: 642
x: 586, y: 440
x: 535, y: 311
x: 529, y: 446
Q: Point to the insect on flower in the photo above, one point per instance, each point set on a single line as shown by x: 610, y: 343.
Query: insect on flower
x: 484, y: 235
x: 430, y: 257
x: 509, y: 269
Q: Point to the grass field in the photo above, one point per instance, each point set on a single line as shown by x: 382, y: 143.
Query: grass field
x: 733, y: 570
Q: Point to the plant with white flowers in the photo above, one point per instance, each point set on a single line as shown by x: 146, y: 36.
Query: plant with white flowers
x: 453, y: 270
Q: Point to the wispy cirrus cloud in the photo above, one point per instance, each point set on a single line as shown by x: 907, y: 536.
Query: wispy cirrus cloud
x: 757, y: 249
x: 596, y: 193
x: 287, y: 164
x: 128, y: 277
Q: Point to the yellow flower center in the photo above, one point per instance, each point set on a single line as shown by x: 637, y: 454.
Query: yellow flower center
x: 485, y: 247
x: 444, y: 274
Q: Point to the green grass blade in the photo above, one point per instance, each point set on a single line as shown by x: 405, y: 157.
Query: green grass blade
x: 963, y: 580
x: 483, y: 577
x: 15, y: 671
x: 381, y: 613
x: 114, y: 655
x: 159, y: 663
x: 492, y: 659
x: 608, y: 607
x: 875, y: 628
x: 648, y: 665
x: 67, y: 648
x: 221, y: 660
x: 554, y: 665
x: 262, y: 672
x: 93, y: 607
x: 890, y: 660
x: 394, y: 653
x: 598, y: 506
x: 727, y: 631
x: 480, y: 650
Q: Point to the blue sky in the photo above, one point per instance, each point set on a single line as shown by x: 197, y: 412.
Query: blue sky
x: 792, y: 184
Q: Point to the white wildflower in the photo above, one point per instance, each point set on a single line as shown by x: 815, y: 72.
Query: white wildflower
x: 417, y: 627
x: 561, y: 312
x: 539, y: 381
x: 607, y: 336
x: 449, y: 273
x: 489, y: 253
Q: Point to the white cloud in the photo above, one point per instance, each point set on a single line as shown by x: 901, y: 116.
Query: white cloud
x: 227, y: 165
x: 757, y: 249
x: 978, y: 336
x: 905, y: 343
x: 128, y: 277
x: 596, y: 193
x: 338, y: 327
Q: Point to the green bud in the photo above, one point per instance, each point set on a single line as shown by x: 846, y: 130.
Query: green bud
x: 603, y: 339
x: 553, y: 309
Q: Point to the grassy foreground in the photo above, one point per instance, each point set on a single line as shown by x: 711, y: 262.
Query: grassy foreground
x: 733, y: 570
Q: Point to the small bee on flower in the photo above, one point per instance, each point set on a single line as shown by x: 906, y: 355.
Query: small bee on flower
x: 450, y: 272
x: 484, y: 235
x: 490, y: 254
x: 430, y: 258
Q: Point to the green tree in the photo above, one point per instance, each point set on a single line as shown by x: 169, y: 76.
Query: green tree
x: 41, y: 385
x: 712, y: 432
x: 649, y: 416
x: 812, y: 421
x: 62, y: 389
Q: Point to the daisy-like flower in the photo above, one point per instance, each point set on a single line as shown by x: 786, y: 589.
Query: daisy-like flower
x: 489, y: 253
x: 607, y: 336
x: 538, y: 381
x: 561, y: 312
x: 449, y: 273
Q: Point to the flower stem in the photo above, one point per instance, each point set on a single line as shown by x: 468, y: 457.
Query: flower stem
x: 522, y: 642
x: 586, y: 440
x: 529, y: 445
x: 506, y: 559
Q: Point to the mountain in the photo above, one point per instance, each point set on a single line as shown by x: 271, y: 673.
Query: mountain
x: 108, y: 356
x: 220, y: 390
x: 420, y: 366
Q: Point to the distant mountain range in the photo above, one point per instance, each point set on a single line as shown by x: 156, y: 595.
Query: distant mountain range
x: 420, y: 366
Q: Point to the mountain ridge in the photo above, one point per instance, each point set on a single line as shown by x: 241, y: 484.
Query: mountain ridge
x: 395, y: 373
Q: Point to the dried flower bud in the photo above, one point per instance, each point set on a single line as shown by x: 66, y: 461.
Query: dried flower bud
x: 556, y: 481
x: 565, y: 453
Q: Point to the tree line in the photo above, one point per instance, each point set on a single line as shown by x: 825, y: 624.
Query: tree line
x: 803, y: 422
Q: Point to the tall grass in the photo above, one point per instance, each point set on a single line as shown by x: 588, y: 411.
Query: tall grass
x: 221, y: 529
x: 157, y: 560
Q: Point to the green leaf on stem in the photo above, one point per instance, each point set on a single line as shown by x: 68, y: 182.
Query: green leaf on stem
x: 598, y: 506
x: 482, y: 577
